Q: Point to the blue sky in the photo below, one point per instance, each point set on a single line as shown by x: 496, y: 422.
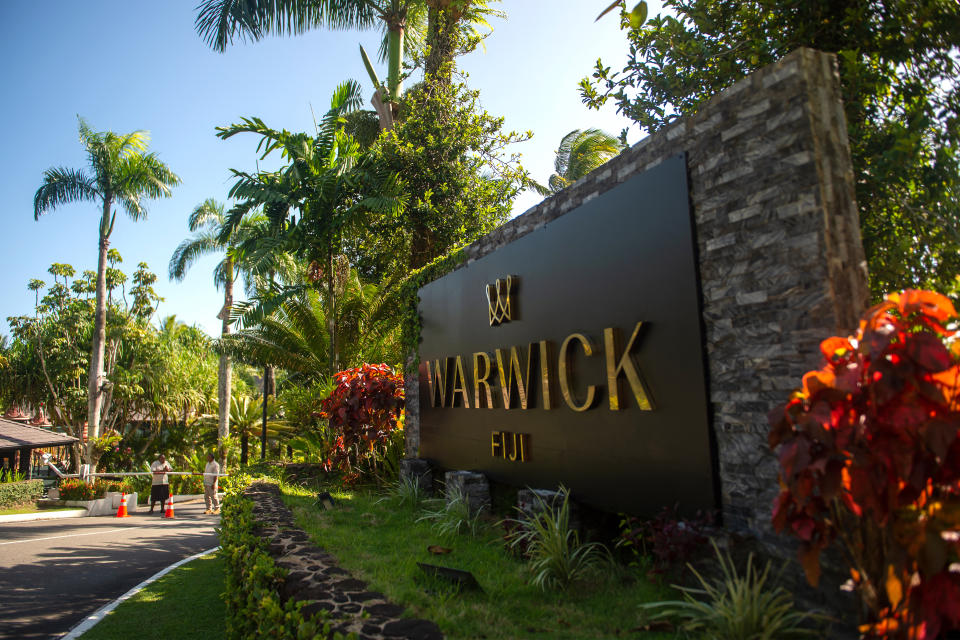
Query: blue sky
x: 126, y: 65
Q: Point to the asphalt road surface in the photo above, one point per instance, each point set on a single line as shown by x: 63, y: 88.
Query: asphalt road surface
x: 53, y: 573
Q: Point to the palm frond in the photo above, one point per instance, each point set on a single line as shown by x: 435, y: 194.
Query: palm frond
x: 208, y: 213
x: 62, y: 185
x: 191, y: 250
x: 218, y: 22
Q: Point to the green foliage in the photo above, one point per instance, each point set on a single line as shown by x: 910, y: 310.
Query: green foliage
x: 165, y: 374
x: 254, y: 606
x: 580, y: 153
x: 405, y: 493
x: 737, y: 607
x: 447, y: 152
x: 557, y: 557
x: 407, y: 299
x: 898, y: 64
x: 17, y: 493
x: 451, y: 516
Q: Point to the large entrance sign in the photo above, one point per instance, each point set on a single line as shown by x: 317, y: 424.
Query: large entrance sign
x: 574, y: 355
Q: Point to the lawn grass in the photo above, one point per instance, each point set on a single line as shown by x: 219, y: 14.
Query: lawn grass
x: 185, y: 604
x: 33, y: 509
x: 381, y: 543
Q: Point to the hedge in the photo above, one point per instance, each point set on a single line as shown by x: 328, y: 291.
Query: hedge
x: 254, y: 606
x: 15, y: 494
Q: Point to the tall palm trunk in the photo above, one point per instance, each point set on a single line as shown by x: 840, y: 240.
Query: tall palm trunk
x: 395, y: 34
x: 268, y: 388
x: 332, y: 315
x: 225, y: 373
x: 95, y: 380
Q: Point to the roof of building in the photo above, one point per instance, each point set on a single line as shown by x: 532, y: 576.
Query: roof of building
x: 15, y: 435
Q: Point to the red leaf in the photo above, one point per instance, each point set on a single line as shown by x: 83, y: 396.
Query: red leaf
x: 928, y: 351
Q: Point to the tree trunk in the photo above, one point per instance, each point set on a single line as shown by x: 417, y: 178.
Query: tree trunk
x: 225, y: 373
x: 442, y: 41
x: 244, y: 446
x: 268, y: 388
x: 332, y: 315
x: 95, y: 380
x: 395, y: 35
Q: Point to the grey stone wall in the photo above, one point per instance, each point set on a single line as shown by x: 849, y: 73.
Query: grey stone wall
x: 781, y: 263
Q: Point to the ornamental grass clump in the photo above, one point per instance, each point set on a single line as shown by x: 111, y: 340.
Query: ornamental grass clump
x: 452, y: 515
x: 869, y: 457
x: 557, y: 557
x: 735, y: 606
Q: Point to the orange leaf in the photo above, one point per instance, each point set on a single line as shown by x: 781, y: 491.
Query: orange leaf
x: 814, y: 381
x: 894, y: 587
x: 438, y: 550
x: 809, y: 556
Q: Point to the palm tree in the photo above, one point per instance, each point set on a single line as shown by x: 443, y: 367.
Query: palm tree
x: 580, y: 153
x: 330, y: 181
x: 205, y: 222
x: 245, y: 418
x: 405, y: 24
x: 120, y: 172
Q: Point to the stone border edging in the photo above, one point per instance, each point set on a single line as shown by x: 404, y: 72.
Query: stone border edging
x: 39, y: 515
x: 90, y: 621
x: 315, y: 578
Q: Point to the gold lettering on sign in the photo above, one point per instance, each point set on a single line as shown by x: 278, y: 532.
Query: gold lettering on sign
x: 612, y: 339
x: 460, y: 385
x: 512, y: 374
x: 438, y: 383
x: 545, y: 377
x: 514, y: 447
x: 479, y: 379
x: 564, y: 370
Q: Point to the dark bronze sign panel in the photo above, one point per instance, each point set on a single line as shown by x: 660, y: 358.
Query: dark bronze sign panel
x: 589, y: 330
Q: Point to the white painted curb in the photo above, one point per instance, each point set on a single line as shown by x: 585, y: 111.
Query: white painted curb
x: 90, y: 621
x: 40, y: 515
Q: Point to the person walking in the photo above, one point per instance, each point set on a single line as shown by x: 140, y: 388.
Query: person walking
x: 211, y: 474
x: 160, y: 487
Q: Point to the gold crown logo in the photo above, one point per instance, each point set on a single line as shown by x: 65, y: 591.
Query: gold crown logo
x: 498, y: 300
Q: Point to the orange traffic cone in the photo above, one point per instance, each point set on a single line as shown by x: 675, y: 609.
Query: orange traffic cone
x: 122, y: 511
x: 169, y: 511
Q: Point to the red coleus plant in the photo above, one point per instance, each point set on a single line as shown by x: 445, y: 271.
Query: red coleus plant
x: 363, y: 409
x: 869, y: 456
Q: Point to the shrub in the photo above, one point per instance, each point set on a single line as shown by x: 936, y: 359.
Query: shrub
x: 75, y: 489
x: 363, y: 411
x: 15, y: 494
x: 736, y: 607
x: 869, y: 455
x: 557, y: 557
x: 186, y: 485
x: 669, y: 540
x: 254, y: 607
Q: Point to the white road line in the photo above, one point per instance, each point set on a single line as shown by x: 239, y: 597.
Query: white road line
x: 72, y: 535
x: 99, y: 614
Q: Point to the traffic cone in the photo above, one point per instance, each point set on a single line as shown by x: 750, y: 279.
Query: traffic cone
x: 122, y: 511
x: 168, y: 513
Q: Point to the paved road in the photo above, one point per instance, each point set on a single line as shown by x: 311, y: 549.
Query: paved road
x: 53, y: 573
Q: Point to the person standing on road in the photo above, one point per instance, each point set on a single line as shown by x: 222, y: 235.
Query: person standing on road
x: 211, y: 474
x: 160, y: 488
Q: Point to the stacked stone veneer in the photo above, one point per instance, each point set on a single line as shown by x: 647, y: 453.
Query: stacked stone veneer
x: 315, y: 578
x: 781, y: 264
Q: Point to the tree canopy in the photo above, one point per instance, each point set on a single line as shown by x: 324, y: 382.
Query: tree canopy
x: 898, y: 64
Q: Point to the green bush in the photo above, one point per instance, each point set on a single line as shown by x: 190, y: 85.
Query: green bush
x: 15, y: 494
x: 254, y: 607
x: 75, y: 489
x: 186, y: 485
